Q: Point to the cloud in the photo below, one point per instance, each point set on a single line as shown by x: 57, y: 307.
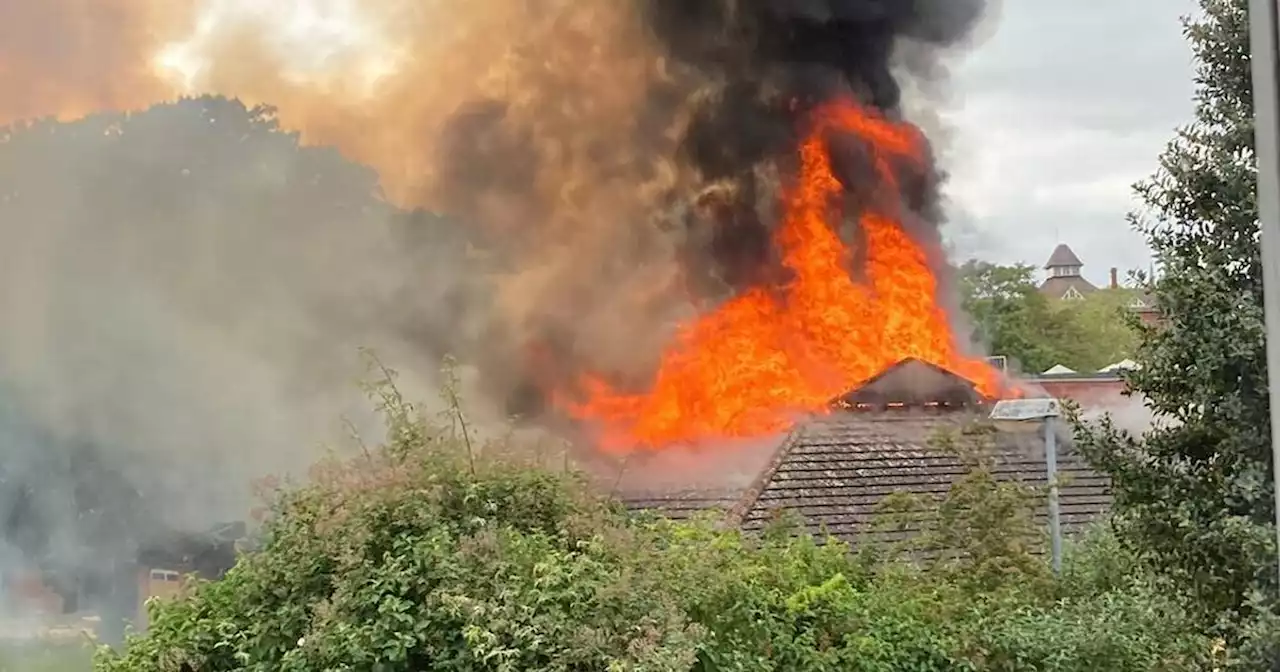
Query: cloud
x: 1061, y: 112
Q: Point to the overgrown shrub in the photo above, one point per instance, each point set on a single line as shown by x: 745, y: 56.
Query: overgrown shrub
x: 425, y: 555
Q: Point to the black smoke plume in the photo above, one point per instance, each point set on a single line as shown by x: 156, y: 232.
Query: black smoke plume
x: 744, y: 74
x: 771, y: 62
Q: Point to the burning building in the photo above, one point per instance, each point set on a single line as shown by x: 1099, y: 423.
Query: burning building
x: 701, y: 216
x: 845, y: 308
x: 700, y: 222
x: 813, y: 254
x: 765, y: 237
x: 833, y: 470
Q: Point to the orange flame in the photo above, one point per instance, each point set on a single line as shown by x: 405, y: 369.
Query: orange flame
x: 748, y: 367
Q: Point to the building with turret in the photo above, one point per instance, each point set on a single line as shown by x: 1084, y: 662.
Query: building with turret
x: 1064, y: 280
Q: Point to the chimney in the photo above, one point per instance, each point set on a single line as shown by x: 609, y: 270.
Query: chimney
x: 1114, y: 282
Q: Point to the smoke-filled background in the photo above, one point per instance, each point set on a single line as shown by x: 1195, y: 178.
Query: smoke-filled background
x: 183, y: 285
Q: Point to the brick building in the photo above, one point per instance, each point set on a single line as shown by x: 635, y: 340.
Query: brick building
x: 1064, y: 281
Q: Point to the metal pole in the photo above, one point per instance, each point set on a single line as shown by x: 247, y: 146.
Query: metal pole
x: 1055, y: 515
x: 1265, y: 59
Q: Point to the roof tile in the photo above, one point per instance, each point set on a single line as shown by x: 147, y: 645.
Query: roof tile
x: 834, y: 472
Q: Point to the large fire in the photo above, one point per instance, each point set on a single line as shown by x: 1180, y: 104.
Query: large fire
x: 755, y: 362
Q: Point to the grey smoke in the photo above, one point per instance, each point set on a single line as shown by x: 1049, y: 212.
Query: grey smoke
x: 183, y: 296
x: 182, y: 293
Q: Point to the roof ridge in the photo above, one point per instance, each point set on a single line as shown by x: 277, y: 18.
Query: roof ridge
x: 747, y: 501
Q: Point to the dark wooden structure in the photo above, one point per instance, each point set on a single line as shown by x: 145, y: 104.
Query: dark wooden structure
x: 912, y: 383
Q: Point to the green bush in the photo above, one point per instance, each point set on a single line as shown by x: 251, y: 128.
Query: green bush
x: 425, y: 555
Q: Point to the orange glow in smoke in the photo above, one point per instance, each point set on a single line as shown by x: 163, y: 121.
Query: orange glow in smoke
x: 755, y: 362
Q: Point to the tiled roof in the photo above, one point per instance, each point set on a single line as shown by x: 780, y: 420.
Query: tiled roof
x: 679, y: 482
x: 682, y: 505
x: 1057, y: 286
x: 833, y: 471
x: 836, y: 471
x: 1063, y: 256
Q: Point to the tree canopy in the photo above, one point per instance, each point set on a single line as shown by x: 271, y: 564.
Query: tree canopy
x: 430, y: 553
x: 1105, y: 325
x: 1011, y: 317
x: 1194, y: 495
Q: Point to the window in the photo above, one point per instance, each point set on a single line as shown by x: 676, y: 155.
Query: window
x: 165, y: 575
x: 1072, y: 294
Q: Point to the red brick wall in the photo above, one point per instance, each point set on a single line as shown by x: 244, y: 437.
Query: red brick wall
x: 1150, y: 317
x: 28, y: 592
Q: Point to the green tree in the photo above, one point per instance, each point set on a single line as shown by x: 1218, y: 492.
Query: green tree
x: 1193, y: 495
x: 428, y: 553
x: 1105, y: 326
x: 1012, y: 318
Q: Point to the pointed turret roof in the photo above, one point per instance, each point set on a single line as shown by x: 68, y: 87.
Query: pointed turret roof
x: 1062, y: 257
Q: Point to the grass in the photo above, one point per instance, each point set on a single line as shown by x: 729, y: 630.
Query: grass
x: 46, y: 657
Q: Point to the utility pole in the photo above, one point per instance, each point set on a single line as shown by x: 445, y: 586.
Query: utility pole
x: 1045, y: 411
x: 1264, y: 37
x: 1051, y: 474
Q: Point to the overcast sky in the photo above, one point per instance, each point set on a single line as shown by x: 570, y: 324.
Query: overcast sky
x: 1058, y: 114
